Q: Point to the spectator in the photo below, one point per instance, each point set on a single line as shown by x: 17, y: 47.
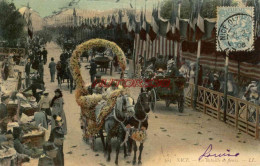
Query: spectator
x: 3, y: 111
x: 11, y: 65
x: 215, y: 85
x: 44, y: 104
x: 93, y: 70
x: 52, y: 67
x: 18, y: 146
x: 41, y: 70
x: 57, y: 136
x: 192, y: 73
x: 40, y: 119
x: 44, y: 54
x: 200, y: 75
x: 57, y: 109
x: 251, y: 93
x: 50, y: 152
x: 34, y: 86
x: 5, y: 69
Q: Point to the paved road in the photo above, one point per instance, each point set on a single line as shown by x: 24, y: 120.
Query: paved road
x: 173, y: 138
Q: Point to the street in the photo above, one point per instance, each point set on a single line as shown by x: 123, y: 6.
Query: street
x: 173, y: 138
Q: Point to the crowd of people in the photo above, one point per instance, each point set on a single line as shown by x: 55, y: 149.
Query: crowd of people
x: 47, y: 111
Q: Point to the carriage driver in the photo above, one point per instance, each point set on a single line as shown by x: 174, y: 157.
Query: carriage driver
x: 98, y: 85
x: 111, y: 88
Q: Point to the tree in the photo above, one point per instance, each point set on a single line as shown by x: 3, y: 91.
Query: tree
x: 11, y: 23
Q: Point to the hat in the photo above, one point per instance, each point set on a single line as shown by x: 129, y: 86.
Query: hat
x: 216, y: 75
x: 192, y: 64
x: 160, y: 70
x: 48, y: 146
x: 46, y: 92
x: 58, y: 90
x: 253, y: 82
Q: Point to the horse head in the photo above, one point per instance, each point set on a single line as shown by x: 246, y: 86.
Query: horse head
x: 125, y: 106
x: 143, y: 101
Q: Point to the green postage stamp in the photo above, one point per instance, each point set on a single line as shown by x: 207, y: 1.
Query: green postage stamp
x: 235, y: 29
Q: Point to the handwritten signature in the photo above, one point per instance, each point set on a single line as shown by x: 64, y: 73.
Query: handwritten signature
x: 208, y: 150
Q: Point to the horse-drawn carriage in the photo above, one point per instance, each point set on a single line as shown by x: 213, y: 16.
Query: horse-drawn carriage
x: 166, y: 85
x: 102, y: 62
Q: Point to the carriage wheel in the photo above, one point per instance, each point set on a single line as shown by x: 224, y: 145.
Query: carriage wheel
x: 152, y: 99
x: 181, y: 103
x: 167, y: 103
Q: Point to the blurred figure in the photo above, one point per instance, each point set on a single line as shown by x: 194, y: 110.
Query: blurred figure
x: 11, y: 65
x: 50, y: 152
x: 93, y: 70
x: 52, y: 67
x: 5, y: 69
x: 57, y: 137
x: 251, y: 93
x: 215, y: 85
x: 192, y: 73
x: 44, y: 55
x: 57, y: 109
x: 184, y: 70
x: 3, y: 111
x: 27, y: 72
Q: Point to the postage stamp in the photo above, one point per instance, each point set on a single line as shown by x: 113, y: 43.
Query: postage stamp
x: 235, y: 29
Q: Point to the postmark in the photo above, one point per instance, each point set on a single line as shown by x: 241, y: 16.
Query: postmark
x: 235, y: 29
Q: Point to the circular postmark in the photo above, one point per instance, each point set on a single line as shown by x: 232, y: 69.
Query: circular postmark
x: 236, y: 33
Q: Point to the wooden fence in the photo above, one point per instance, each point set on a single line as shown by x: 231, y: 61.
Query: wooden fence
x: 241, y: 114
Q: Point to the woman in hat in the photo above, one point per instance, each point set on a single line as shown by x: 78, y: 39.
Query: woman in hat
x: 57, y: 137
x: 57, y: 109
x: 44, y: 104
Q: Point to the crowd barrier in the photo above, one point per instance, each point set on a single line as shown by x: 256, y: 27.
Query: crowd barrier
x: 241, y: 114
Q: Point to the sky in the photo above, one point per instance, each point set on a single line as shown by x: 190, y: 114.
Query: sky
x: 46, y: 7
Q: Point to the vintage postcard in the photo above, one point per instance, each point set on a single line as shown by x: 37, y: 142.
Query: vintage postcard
x: 129, y: 82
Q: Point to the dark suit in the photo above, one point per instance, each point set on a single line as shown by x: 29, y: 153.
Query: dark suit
x: 3, y: 111
x: 45, y: 161
x: 93, y: 71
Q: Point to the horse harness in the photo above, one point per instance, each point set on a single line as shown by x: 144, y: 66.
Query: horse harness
x: 145, y: 118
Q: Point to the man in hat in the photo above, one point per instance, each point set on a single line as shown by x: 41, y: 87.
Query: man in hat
x: 5, y: 69
x: 52, y: 67
x: 44, y: 54
x: 18, y: 146
x: 50, y: 152
x: 215, y: 85
x: 3, y: 111
x: 41, y: 70
x: 93, y: 70
x: 111, y: 88
x: 44, y: 104
x: 251, y: 93
x: 98, y: 85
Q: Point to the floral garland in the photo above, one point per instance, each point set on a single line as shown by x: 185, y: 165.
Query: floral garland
x: 88, y: 102
x: 139, y: 135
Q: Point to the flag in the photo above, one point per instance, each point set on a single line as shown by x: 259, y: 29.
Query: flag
x: 200, y: 28
x: 143, y: 30
x: 154, y: 28
x: 169, y: 33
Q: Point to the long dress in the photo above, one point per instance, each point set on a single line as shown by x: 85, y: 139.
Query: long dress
x: 57, y: 109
